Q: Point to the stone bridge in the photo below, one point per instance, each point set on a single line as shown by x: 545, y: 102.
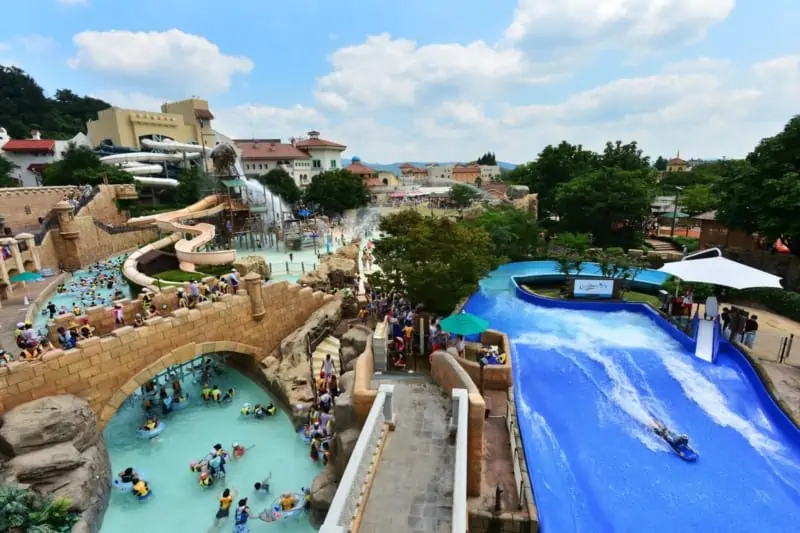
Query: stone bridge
x: 107, y: 369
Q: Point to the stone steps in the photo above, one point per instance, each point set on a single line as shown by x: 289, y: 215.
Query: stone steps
x: 329, y: 345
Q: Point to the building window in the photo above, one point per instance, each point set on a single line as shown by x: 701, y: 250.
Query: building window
x: 317, y: 163
x: 259, y: 166
x: 333, y: 163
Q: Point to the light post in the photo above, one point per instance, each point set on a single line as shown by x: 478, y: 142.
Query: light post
x: 675, y: 210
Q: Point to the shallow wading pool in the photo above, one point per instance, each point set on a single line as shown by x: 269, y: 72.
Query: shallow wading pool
x: 178, y: 502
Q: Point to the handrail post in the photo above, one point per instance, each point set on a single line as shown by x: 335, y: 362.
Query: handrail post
x: 388, y: 406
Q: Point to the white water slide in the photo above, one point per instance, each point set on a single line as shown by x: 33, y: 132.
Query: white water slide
x: 142, y: 164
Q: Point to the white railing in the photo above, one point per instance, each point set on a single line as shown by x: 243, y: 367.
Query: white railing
x: 350, y: 495
x: 379, y: 348
x: 459, y: 423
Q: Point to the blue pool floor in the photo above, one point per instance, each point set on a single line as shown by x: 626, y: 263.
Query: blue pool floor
x: 589, y: 385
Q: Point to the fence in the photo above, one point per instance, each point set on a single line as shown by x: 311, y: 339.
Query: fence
x: 459, y: 423
x: 287, y: 267
x: 516, y: 452
x: 350, y: 498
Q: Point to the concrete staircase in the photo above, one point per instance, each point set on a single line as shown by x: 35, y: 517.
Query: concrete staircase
x: 329, y: 345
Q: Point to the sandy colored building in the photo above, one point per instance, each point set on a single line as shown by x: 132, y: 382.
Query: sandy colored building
x: 676, y: 164
x: 186, y: 121
x: 466, y: 173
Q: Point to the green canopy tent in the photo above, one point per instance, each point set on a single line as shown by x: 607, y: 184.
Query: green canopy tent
x: 464, y: 324
x: 23, y: 277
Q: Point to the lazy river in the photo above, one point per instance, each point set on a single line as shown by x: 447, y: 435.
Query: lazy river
x: 588, y: 386
x: 178, y: 502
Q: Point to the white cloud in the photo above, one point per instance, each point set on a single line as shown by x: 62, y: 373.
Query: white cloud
x: 73, y: 2
x: 597, y: 23
x: 331, y: 100
x: 386, y: 71
x: 134, y: 100
x: 171, y: 60
x: 462, y: 112
x: 244, y: 121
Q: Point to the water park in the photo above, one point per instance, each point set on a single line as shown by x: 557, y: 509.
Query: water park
x: 228, y: 364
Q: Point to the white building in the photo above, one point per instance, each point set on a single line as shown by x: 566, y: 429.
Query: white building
x: 440, y: 172
x: 31, y: 155
x: 301, y: 158
x: 489, y: 173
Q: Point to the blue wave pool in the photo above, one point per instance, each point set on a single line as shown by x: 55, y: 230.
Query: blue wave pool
x: 589, y: 384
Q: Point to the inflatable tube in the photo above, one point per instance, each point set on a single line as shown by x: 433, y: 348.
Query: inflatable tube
x: 120, y: 486
x: 294, y: 511
x: 305, y: 437
x: 181, y: 404
x: 145, y: 497
x: 149, y: 434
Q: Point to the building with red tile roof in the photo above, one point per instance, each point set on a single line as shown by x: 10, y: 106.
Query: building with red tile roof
x: 30, y: 156
x: 466, y: 173
x: 301, y: 158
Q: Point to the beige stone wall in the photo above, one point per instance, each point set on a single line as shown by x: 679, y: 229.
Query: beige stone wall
x: 95, y: 244
x: 529, y: 203
x: 100, y: 367
x: 103, y: 206
x: 15, y: 202
x: 495, y: 377
x: 449, y: 375
x: 363, y: 395
x: 48, y: 254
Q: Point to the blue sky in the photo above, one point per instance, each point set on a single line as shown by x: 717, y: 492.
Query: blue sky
x: 435, y: 79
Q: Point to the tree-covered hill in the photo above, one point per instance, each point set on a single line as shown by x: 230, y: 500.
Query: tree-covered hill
x: 24, y: 106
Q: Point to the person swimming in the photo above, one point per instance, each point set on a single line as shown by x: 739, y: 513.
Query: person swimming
x: 150, y: 424
x: 128, y: 475
x: 206, y: 479
x: 229, y: 395
x: 140, y: 488
x: 216, y: 394
x: 238, y: 450
x: 263, y: 486
x: 205, y: 393
x: 246, y: 409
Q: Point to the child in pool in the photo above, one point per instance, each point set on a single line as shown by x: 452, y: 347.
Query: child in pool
x: 151, y: 424
x: 229, y: 395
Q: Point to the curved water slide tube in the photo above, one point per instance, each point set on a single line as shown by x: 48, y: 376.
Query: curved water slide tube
x: 185, y: 249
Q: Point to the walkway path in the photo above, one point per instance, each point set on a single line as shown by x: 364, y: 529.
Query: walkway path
x: 14, y: 310
x: 413, y: 487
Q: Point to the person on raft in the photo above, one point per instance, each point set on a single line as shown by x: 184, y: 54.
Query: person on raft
x: 128, y: 475
x: 151, y: 424
x: 140, y: 487
x: 674, y: 440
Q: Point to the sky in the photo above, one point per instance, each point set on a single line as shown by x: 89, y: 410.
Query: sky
x: 434, y: 80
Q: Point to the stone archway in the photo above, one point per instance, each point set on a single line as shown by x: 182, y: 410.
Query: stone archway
x: 177, y: 356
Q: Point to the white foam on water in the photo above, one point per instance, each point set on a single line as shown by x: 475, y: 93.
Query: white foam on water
x: 710, y: 399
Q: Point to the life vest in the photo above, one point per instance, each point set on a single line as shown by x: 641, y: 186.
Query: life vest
x: 141, y: 489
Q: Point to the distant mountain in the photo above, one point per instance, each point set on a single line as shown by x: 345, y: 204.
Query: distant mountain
x: 395, y: 167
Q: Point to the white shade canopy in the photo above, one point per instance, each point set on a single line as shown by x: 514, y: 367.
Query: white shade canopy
x: 721, y: 271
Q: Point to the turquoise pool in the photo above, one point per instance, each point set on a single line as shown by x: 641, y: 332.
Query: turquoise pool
x: 78, y: 289
x: 178, y: 502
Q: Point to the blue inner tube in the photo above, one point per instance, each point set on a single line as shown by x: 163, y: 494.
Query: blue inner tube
x: 145, y: 497
x: 294, y: 511
x: 149, y: 434
x: 121, y: 486
x: 302, y: 434
x: 685, y: 452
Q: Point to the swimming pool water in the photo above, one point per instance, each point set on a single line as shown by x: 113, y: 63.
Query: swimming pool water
x: 178, y: 502
x: 588, y: 387
x: 80, y: 296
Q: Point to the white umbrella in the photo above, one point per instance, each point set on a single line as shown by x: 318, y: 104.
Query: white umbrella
x: 720, y: 271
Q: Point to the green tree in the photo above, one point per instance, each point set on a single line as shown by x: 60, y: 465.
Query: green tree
x: 435, y: 260
x: 610, y: 203
x: 515, y: 233
x: 624, y: 156
x: 80, y: 165
x: 554, y: 166
x: 660, y: 164
x: 189, y: 181
x: 7, y: 169
x: 462, y: 195
x: 487, y: 159
x: 24, y: 106
x: 697, y: 199
x: 279, y: 182
x: 337, y: 190
x: 763, y: 194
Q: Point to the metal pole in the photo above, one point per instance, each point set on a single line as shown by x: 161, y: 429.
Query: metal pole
x: 675, y: 210
x: 789, y: 347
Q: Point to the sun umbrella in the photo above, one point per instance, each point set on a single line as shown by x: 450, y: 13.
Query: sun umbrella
x: 721, y: 271
x: 25, y: 276
x: 464, y: 324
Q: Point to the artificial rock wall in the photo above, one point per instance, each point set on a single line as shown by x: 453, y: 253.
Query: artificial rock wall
x: 99, y: 368
x: 22, y: 206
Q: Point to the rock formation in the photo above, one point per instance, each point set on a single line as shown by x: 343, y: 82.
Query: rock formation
x: 517, y: 191
x: 53, y: 446
x: 335, y: 270
x: 354, y: 342
x: 252, y: 263
x: 286, y: 368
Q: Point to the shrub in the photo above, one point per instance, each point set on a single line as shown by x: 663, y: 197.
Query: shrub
x: 692, y: 244
x: 784, y: 303
x: 23, y: 510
